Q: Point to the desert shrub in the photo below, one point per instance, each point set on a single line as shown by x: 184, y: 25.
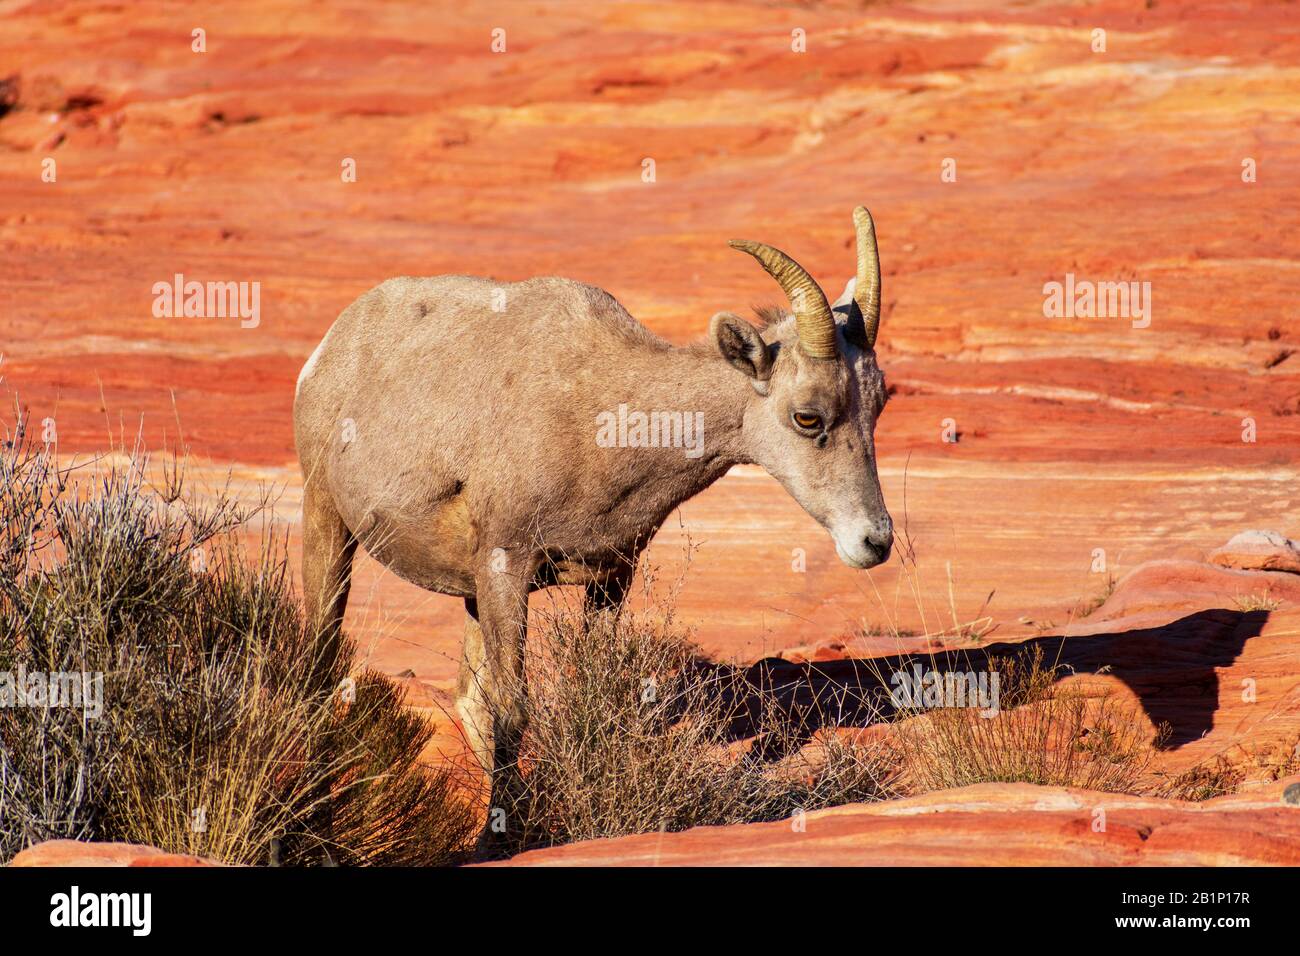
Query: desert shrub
x: 1042, y: 733
x: 631, y: 731
x: 1237, y: 768
x: 228, y: 727
x: 1204, y: 781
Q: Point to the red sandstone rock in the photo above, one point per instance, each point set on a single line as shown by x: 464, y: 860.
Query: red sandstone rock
x: 1258, y: 551
x: 985, y: 825
x: 1076, y: 435
x: 77, y: 853
x: 1166, y: 585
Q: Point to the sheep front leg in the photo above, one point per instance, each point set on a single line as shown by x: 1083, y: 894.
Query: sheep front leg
x: 502, y: 604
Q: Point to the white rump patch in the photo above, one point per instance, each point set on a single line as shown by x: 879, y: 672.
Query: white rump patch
x: 311, y: 363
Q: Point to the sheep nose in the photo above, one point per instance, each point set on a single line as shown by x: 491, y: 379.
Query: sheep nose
x: 878, y: 545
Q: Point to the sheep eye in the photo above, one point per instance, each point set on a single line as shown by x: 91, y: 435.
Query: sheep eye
x: 808, y: 421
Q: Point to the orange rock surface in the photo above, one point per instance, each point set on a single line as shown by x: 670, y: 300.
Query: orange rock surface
x: 1012, y: 824
x: 1074, y: 434
x: 1085, y: 447
x: 75, y: 853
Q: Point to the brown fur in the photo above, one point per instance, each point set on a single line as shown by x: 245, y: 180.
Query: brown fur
x: 457, y: 444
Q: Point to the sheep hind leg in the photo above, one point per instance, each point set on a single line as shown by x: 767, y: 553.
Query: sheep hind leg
x: 327, y: 551
x: 471, y: 691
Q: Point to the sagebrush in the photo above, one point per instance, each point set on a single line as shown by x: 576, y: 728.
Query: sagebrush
x: 228, y: 728
x: 630, y: 730
x: 1041, y: 733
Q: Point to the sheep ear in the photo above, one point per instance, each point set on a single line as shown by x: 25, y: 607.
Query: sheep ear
x: 741, y: 345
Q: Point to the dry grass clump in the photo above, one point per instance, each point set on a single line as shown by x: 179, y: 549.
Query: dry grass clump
x: 1233, y: 770
x: 1088, y: 606
x: 1258, y: 601
x: 630, y: 731
x: 228, y: 728
x: 1205, y: 781
x: 1041, y: 734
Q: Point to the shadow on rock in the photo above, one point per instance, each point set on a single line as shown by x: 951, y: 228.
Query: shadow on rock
x: 1171, y: 668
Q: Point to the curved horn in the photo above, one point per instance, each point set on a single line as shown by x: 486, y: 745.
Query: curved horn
x: 866, y: 288
x: 812, y: 314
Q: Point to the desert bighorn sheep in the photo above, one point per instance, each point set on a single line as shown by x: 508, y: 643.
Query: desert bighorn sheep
x: 450, y: 426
